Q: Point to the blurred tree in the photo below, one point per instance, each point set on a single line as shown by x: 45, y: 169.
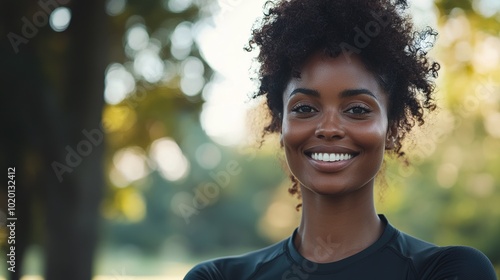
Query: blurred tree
x: 160, y: 110
x: 52, y: 92
x: 52, y: 105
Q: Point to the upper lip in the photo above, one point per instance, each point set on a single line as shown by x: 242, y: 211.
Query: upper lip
x: 330, y: 150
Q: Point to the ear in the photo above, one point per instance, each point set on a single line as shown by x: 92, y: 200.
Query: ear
x: 392, y: 134
x: 281, y: 139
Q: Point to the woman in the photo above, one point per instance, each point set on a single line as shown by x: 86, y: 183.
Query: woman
x: 344, y: 82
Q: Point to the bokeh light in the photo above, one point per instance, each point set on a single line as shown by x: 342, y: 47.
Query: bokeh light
x: 119, y: 83
x: 171, y: 162
x: 487, y: 8
x: 447, y: 174
x: 60, y: 19
x: 148, y: 65
x: 177, y: 6
x: 182, y: 40
x: 208, y: 155
x: 137, y: 37
x: 115, y: 7
x: 192, y: 80
x: 130, y: 164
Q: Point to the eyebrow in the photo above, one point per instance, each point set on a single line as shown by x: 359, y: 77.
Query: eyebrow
x: 354, y: 92
x: 305, y: 91
x: 343, y: 94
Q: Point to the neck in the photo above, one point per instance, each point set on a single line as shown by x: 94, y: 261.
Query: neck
x: 334, y: 228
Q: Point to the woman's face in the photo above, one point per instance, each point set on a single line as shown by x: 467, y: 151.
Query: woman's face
x: 335, y: 125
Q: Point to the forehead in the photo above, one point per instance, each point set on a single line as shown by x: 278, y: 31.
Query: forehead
x: 333, y: 74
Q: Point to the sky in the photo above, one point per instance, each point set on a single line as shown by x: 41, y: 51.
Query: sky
x: 221, y: 43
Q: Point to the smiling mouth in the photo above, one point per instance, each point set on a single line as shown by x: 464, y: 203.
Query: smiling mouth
x: 331, y: 157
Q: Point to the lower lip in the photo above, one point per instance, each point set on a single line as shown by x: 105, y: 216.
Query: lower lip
x: 330, y: 166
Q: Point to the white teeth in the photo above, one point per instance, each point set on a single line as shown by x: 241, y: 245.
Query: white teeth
x: 330, y: 157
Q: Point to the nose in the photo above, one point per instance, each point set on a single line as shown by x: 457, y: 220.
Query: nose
x: 330, y: 127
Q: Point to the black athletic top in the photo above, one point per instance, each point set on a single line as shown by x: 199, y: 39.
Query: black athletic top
x: 394, y: 256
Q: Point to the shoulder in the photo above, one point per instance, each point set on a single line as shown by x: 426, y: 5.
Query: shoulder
x: 204, y: 271
x: 460, y: 262
x: 452, y: 262
x: 236, y: 267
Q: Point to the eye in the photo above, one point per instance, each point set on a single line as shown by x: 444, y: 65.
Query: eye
x: 303, y: 109
x: 358, y: 110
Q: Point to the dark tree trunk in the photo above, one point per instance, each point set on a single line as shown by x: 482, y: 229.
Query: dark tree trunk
x: 73, y: 203
x: 19, y: 82
x: 43, y: 119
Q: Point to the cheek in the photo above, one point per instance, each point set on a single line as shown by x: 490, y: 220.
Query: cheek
x: 294, y: 136
x: 372, y: 136
x: 295, y: 133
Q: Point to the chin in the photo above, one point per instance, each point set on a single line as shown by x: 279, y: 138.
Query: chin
x: 327, y: 188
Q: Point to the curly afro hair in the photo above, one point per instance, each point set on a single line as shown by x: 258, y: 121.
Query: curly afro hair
x: 378, y: 31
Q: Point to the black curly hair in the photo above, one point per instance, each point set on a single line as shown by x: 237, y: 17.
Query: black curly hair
x: 380, y: 32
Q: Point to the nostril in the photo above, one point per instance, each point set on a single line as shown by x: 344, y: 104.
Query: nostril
x: 331, y: 135
x: 329, y: 130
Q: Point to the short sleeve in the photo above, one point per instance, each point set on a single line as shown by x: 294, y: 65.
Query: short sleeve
x: 461, y: 263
